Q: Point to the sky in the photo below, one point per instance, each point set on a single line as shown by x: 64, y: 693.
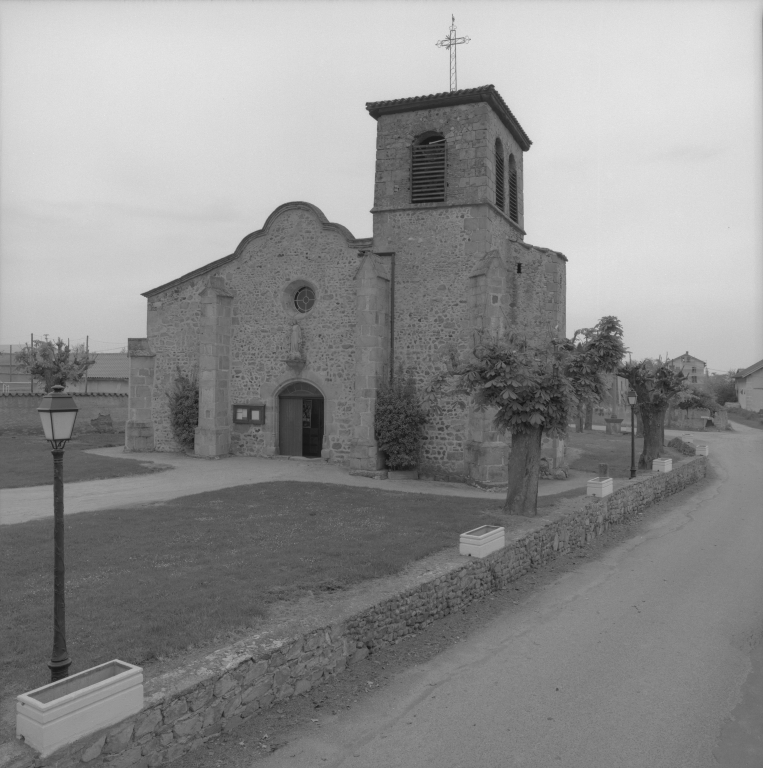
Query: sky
x: 142, y: 140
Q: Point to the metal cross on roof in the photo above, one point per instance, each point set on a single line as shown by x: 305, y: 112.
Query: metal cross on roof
x: 451, y: 42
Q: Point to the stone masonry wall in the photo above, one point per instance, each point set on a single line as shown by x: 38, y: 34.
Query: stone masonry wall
x: 444, y: 292
x: 18, y: 412
x: 174, y: 331
x: 696, y: 419
x: 470, y: 131
x: 175, y: 721
x: 297, y: 246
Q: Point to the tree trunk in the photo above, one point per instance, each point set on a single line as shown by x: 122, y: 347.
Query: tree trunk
x: 589, y: 417
x: 653, y: 419
x: 580, y: 419
x: 524, y: 472
x: 639, y: 425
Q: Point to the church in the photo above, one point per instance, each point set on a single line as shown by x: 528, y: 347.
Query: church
x: 291, y: 336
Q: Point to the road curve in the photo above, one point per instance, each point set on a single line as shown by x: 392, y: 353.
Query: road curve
x: 650, y: 657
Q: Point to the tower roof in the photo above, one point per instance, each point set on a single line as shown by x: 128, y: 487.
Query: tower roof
x: 486, y: 93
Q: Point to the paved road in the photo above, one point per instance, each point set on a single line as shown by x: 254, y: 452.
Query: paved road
x: 649, y: 657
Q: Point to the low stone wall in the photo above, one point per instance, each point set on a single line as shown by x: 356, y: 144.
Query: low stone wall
x: 177, y: 718
x: 98, y: 412
x: 697, y: 419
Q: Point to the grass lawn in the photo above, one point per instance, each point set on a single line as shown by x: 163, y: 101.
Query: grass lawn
x: 25, y: 460
x: 592, y: 448
x: 150, y: 581
x: 748, y: 418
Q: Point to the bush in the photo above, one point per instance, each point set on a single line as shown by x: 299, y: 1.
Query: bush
x: 184, y: 409
x: 686, y: 448
x: 398, y: 422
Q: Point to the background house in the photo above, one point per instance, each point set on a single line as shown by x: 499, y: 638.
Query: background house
x: 692, y: 367
x: 12, y: 380
x: 749, y: 386
x: 110, y: 373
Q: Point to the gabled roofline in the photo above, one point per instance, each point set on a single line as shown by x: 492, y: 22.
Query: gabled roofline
x: 745, y: 372
x: 486, y: 93
x: 327, y: 225
x: 531, y: 247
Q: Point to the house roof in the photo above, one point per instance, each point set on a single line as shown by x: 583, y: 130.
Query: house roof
x: 745, y: 372
x: 680, y: 359
x: 110, y: 365
x: 486, y: 93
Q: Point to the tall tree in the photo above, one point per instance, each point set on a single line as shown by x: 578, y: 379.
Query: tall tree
x: 656, y: 384
x: 533, y: 388
x: 722, y: 387
x: 594, y: 352
x: 54, y: 362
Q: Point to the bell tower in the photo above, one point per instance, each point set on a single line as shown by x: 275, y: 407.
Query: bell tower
x: 449, y: 220
x: 449, y: 150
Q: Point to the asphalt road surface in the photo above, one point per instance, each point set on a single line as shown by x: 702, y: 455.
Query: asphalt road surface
x: 647, y: 655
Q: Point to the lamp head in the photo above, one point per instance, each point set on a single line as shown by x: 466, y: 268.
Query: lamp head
x: 631, y: 397
x: 58, y: 412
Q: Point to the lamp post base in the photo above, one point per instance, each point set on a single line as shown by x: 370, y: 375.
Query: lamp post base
x: 59, y: 669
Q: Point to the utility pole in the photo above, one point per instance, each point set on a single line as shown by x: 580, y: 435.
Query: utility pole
x: 87, y: 357
x: 451, y: 42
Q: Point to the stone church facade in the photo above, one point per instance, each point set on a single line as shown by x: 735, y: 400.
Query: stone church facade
x: 291, y: 336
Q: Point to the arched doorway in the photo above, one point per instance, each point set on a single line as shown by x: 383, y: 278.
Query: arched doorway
x: 300, y: 420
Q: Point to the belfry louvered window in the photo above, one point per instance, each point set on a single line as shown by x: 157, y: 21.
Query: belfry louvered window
x: 513, y: 190
x: 428, y: 170
x: 500, y: 189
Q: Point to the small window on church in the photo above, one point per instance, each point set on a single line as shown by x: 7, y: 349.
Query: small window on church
x: 304, y: 299
x: 500, y: 190
x: 428, y: 170
x: 513, y: 190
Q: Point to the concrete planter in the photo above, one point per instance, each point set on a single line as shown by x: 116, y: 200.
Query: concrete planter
x: 482, y: 541
x: 662, y: 465
x: 57, y: 714
x: 402, y: 474
x: 701, y: 450
x: 613, y: 426
x: 600, y: 486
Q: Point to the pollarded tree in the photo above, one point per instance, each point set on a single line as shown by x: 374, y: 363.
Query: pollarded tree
x: 594, y: 352
x: 54, y: 362
x: 656, y: 385
x: 533, y: 389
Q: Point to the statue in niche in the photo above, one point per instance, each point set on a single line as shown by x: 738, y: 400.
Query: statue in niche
x: 295, y: 342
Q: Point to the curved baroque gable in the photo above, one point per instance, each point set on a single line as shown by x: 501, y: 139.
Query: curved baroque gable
x: 326, y: 225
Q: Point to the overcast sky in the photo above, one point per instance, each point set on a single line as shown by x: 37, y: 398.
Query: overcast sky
x: 141, y: 140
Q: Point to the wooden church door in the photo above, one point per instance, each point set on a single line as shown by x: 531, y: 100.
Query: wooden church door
x: 290, y: 426
x: 300, y: 426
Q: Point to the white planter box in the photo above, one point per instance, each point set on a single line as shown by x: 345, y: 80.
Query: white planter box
x: 662, y: 465
x: 600, y: 486
x: 57, y: 714
x: 482, y: 541
x: 701, y: 450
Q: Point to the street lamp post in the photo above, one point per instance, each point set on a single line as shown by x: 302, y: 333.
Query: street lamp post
x: 632, y: 403
x: 58, y: 413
